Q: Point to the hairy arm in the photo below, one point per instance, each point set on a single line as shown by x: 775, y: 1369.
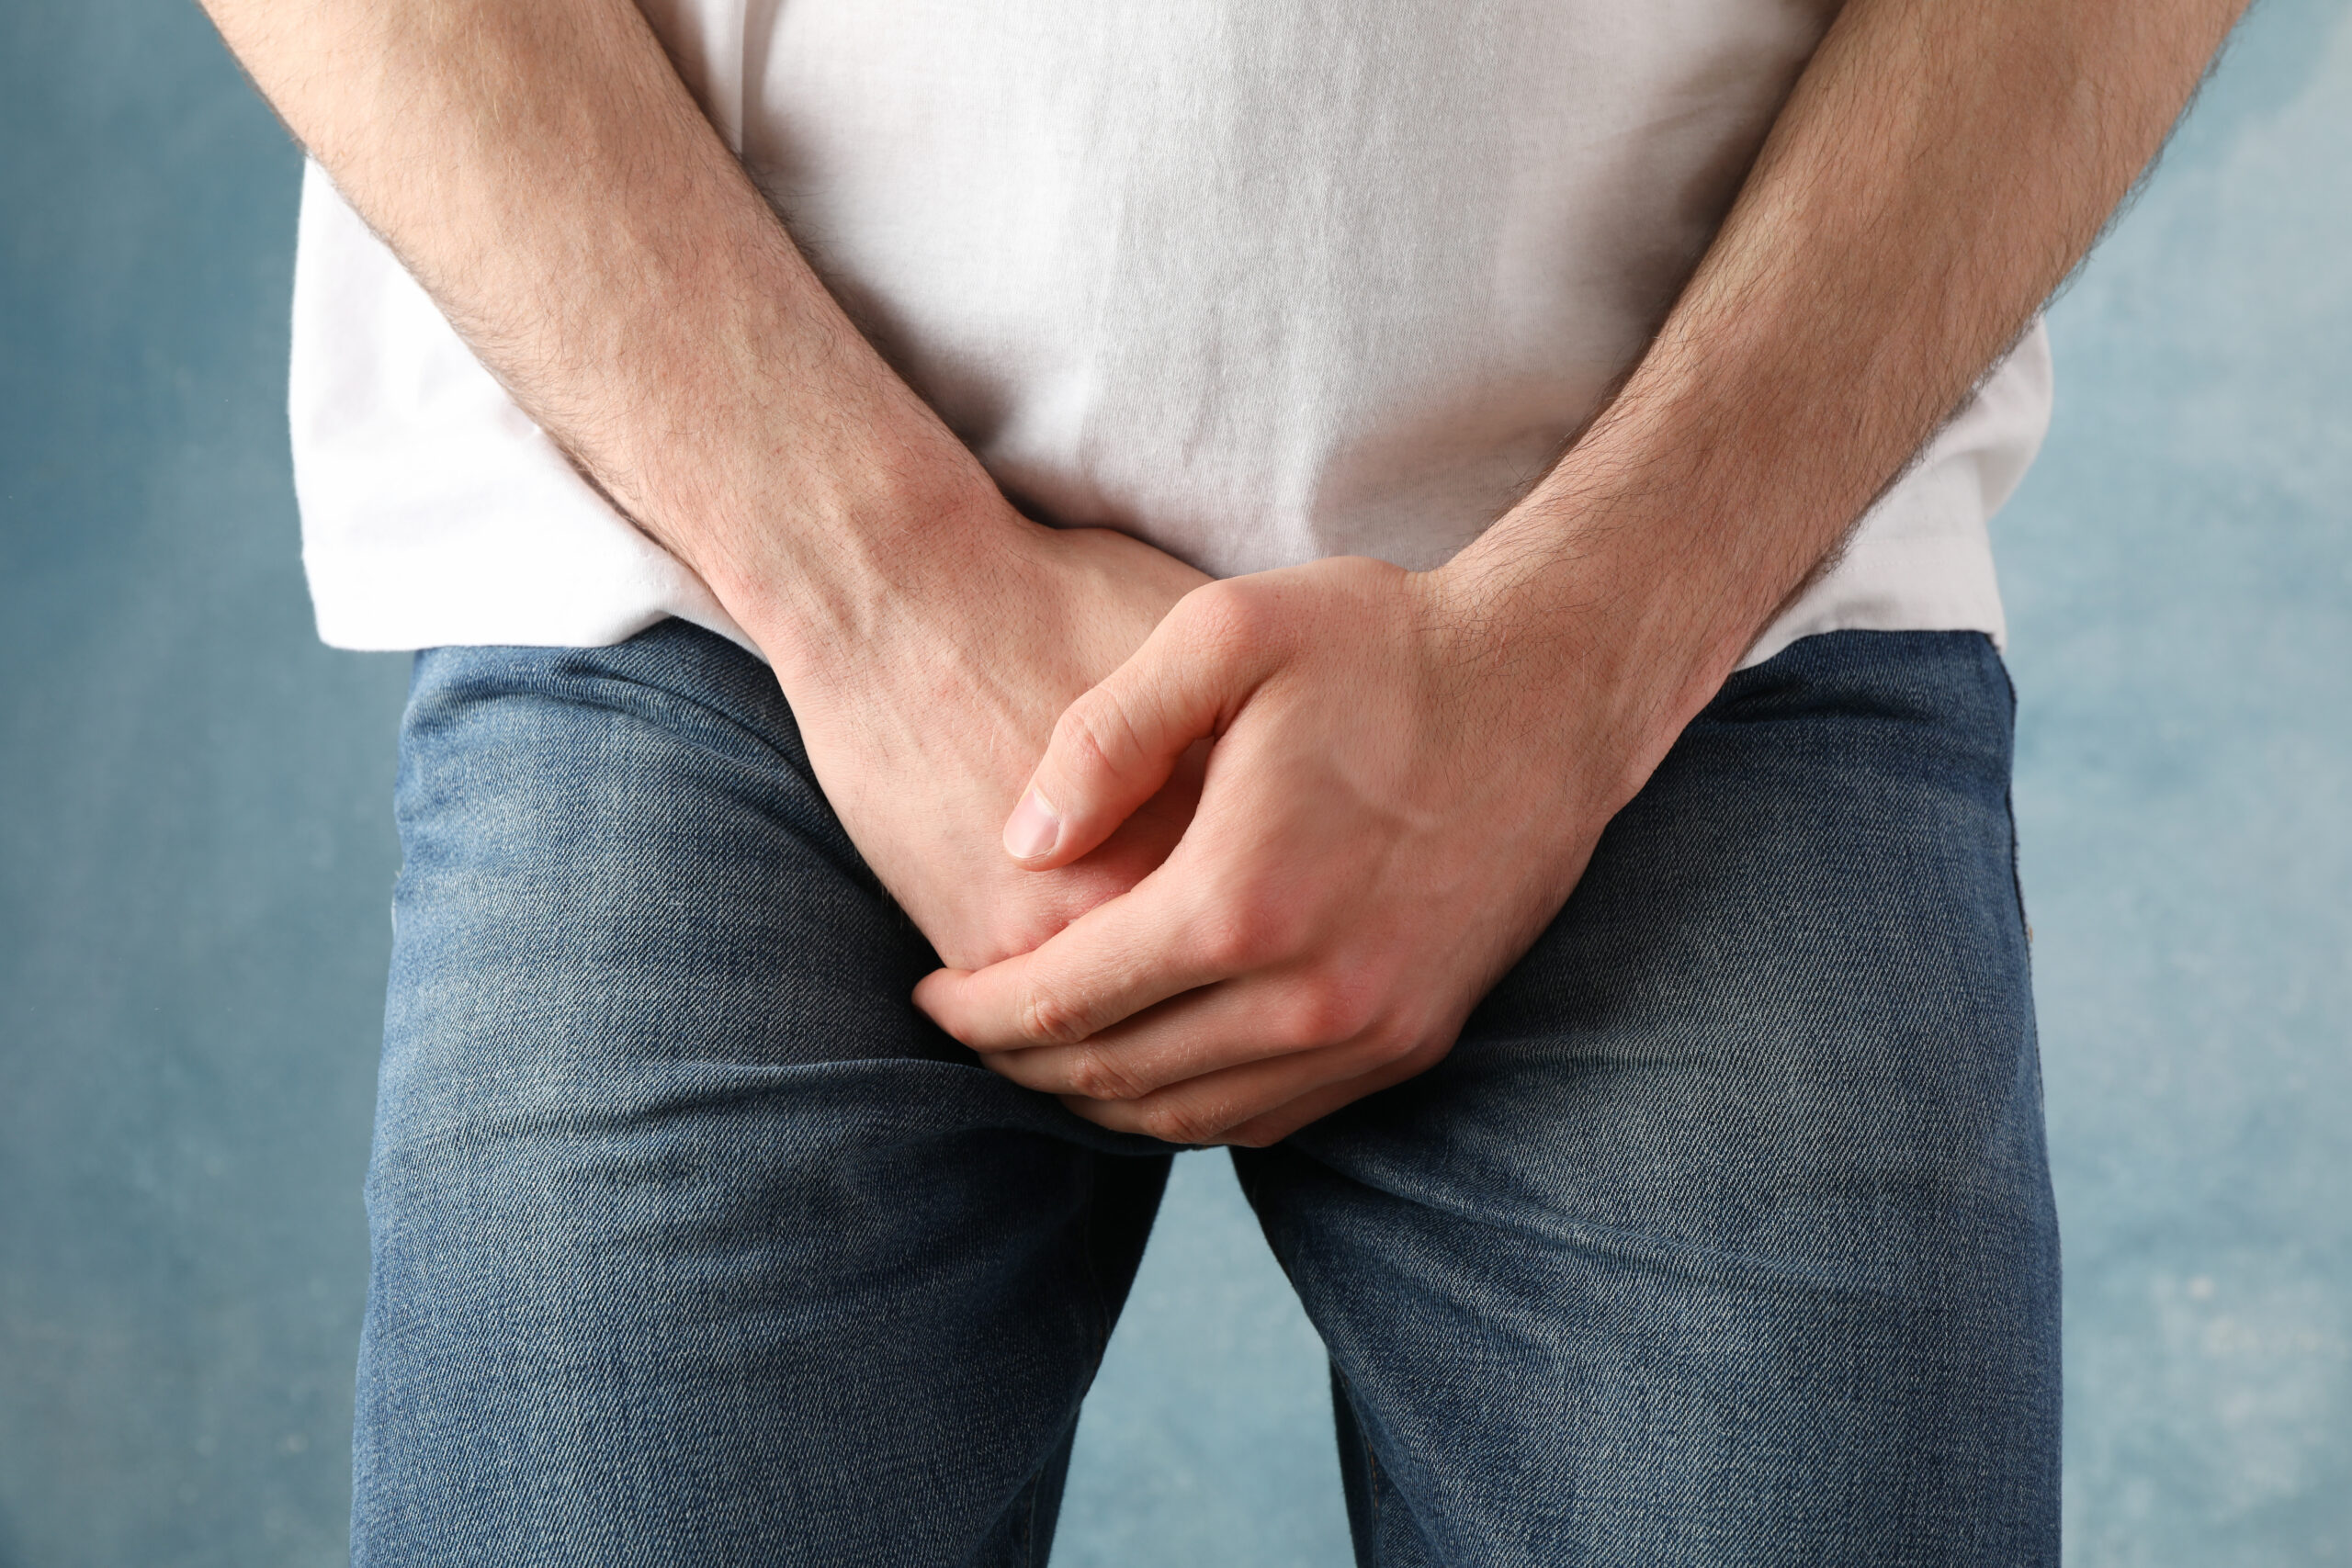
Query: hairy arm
x: 541, y: 169
x: 1411, y: 769
x: 1939, y: 170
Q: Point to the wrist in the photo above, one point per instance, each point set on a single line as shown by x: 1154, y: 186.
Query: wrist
x: 816, y: 542
x: 831, y: 593
x: 1641, y: 620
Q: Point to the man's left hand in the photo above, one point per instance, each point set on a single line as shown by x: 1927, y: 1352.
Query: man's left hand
x: 1403, y: 786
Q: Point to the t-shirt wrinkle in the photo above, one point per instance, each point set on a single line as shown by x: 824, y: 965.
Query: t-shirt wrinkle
x: 1256, y: 283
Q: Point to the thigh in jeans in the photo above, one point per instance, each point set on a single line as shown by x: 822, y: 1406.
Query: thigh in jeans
x: 694, y: 1243
x: 1724, y: 1236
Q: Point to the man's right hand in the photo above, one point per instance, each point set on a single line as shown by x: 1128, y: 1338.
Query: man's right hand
x: 923, y: 737
x: 543, y: 172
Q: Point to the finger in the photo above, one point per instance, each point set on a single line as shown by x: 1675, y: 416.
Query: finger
x: 1268, y: 1013
x: 1147, y: 1053
x: 1126, y: 954
x: 1273, y: 1127
x: 1260, y: 1102
x: 1114, y: 747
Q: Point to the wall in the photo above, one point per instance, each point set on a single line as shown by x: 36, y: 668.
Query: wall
x: 194, y: 855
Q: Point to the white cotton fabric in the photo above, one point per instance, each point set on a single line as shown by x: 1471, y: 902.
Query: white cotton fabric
x: 1258, y: 281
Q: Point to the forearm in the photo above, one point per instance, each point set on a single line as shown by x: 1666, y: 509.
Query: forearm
x: 544, y: 173
x: 1935, y: 175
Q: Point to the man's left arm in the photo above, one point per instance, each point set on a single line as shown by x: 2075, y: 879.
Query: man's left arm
x: 1410, y: 769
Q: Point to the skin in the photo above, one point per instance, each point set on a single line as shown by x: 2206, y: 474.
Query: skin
x: 1410, y: 771
x: 541, y: 168
x: 1399, y: 776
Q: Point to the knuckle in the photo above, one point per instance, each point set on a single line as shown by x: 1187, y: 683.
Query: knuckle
x: 1226, y: 942
x: 1178, y: 1123
x: 1324, y: 1011
x: 1092, y: 736
x: 1092, y: 1074
x: 1386, y: 1049
x: 1300, y: 1022
x: 1416, y: 1051
x: 1424, y: 1052
x: 1261, y: 926
x: 1047, y: 1020
x: 1226, y: 617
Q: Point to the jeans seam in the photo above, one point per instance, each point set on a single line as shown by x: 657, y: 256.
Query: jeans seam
x: 2009, y: 808
x: 2016, y: 876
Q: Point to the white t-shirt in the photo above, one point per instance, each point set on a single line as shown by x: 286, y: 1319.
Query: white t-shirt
x: 1258, y: 281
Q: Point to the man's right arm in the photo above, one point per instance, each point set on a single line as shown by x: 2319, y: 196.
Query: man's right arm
x: 541, y: 168
x: 546, y: 175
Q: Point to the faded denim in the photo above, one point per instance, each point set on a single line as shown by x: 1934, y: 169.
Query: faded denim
x: 1724, y: 1236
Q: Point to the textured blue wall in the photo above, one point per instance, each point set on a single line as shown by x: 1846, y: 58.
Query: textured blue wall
x: 2180, y: 575
x: 195, y: 854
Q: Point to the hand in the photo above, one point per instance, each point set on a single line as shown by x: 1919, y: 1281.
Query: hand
x: 921, y: 741
x: 1401, y: 795
x: 545, y: 173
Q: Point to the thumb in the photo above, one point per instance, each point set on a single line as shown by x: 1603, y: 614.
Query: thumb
x: 1115, y: 747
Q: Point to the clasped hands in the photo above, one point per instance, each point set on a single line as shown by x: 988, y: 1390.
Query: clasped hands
x: 1405, y: 776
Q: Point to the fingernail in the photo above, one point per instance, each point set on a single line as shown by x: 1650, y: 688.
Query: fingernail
x: 1032, y: 828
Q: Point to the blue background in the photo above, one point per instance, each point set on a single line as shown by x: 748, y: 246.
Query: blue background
x: 196, y: 853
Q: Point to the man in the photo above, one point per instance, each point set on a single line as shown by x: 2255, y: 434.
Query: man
x: 1297, y: 584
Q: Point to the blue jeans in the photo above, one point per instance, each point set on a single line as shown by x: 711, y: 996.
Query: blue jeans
x: 1724, y: 1236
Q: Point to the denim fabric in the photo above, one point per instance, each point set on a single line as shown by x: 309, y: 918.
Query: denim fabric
x: 1724, y: 1236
